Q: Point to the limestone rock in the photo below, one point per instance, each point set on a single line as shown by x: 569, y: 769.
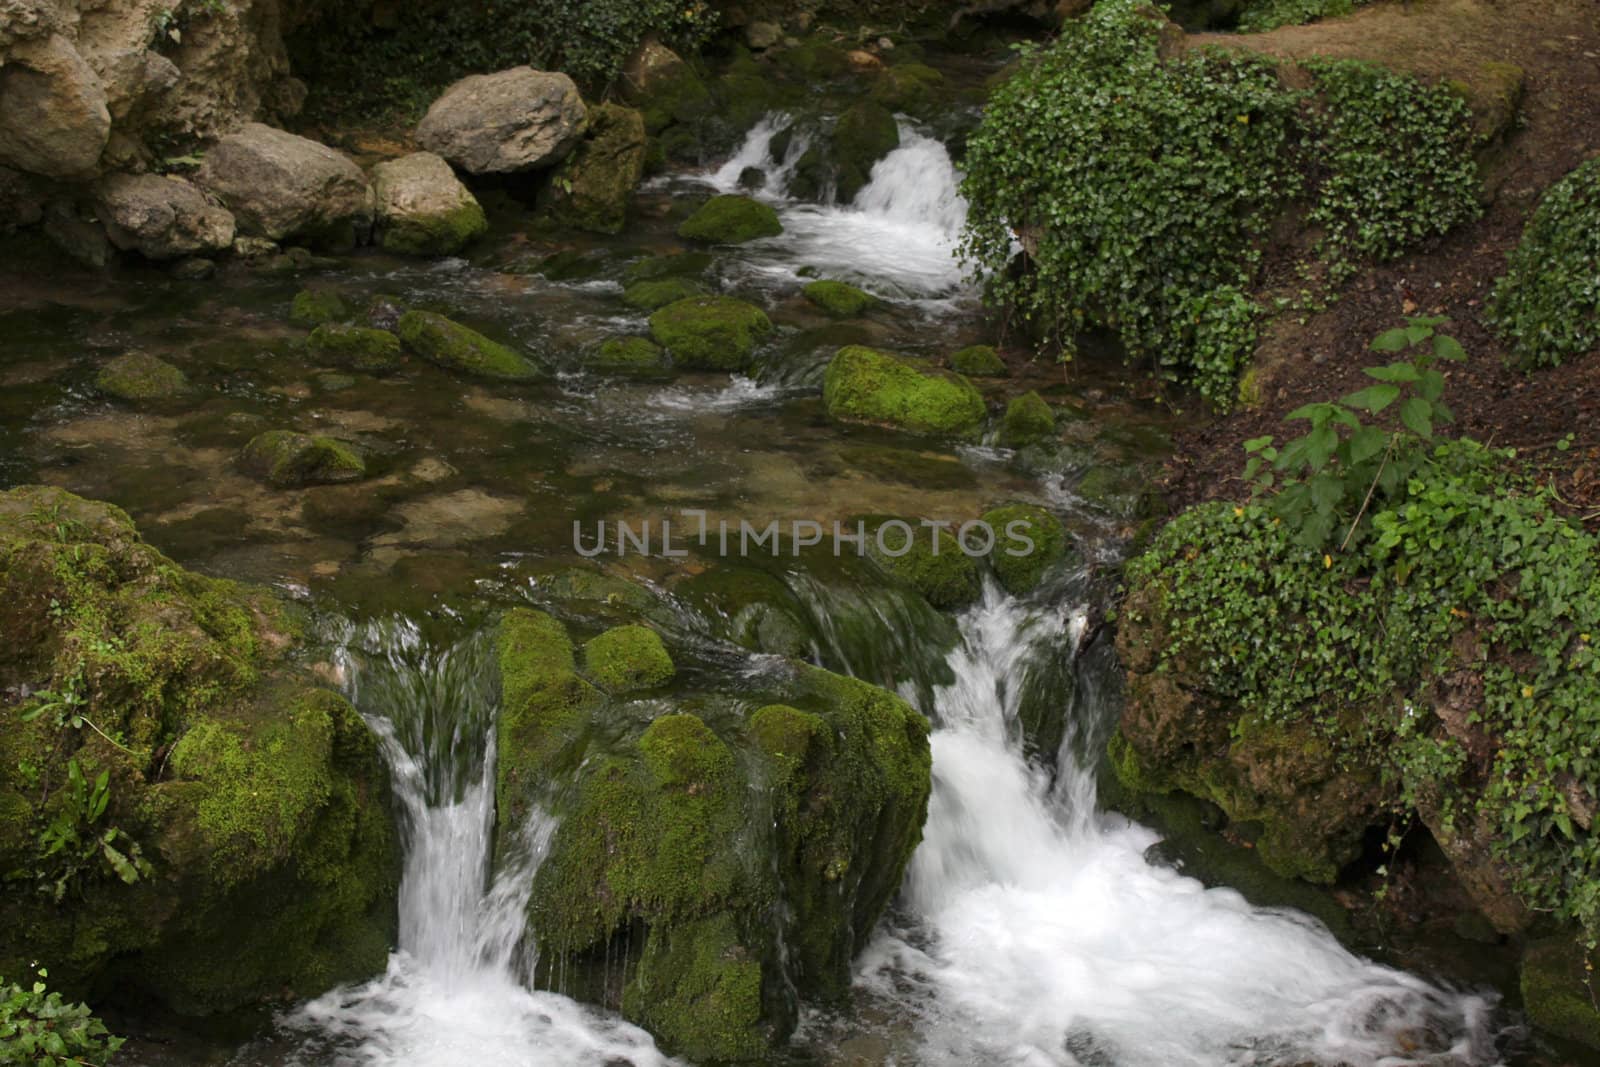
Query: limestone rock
x: 423, y: 209
x: 53, y: 115
x: 162, y: 217
x: 515, y: 120
x: 279, y: 185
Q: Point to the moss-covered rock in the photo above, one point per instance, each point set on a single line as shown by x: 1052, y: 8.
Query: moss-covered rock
x: 591, y: 189
x: 838, y: 299
x: 1028, y: 421
x: 138, y: 376
x: 357, y: 347
x: 625, y: 658
x: 710, y: 332
x: 256, y: 803
x: 456, y: 347
x: 313, y: 307
x: 979, y: 361
x: 865, y: 385
x: 289, y: 460
x: 664, y: 87
x: 914, y: 88
x: 659, y: 292
x: 423, y: 209
x: 750, y: 608
x: 629, y: 357
x: 676, y: 265
x: 927, y: 558
x: 1555, y: 989
x: 1028, y: 541
x: 864, y: 134
x: 731, y: 219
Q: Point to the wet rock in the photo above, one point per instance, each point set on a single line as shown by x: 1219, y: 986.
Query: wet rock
x: 515, y: 120
x: 731, y: 219
x: 194, y: 269
x: 979, y: 361
x: 83, y: 239
x: 629, y: 357
x: 162, y: 217
x: 313, y: 307
x: 1028, y: 420
x: 422, y: 207
x: 665, y: 88
x: 383, y: 312
x: 279, y: 185
x: 22, y: 200
x: 138, y: 376
x: 456, y: 347
x: 627, y: 658
x: 53, y: 115
x: 710, y: 332
x: 752, y: 178
x: 592, y: 188
x: 914, y: 88
x: 356, y: 347
x: 650, y: 295
x: 864, y: 134
x: 840, y: 300
x: 288, y: 460
x: 1028, y: 541
x: 679, y: 265
x: 927, y: 558
x: 865, y: 385
x: 1555, y: 989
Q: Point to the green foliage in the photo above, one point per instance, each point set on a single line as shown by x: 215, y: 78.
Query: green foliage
x: 1344, y: 467
x: 1142, y: 189
x: 39, y: 1029
x: 1547, y: 306
x: 75, y: 844
x: 1265, y: 15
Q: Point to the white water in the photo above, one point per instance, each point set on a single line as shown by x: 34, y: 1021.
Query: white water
x: 1045, y: 938
x: 455, y: 993
x: 897, y: 239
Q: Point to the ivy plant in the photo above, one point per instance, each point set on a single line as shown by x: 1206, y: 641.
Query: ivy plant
x: 1547, y: 305
x: 39, y: 1029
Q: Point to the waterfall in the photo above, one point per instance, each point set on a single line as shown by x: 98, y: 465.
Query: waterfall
x: 1040, y: 935
x: 455, y: 993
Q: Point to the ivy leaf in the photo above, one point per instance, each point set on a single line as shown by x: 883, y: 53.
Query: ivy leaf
x: 1417, y: 414
x: 1374, y: 398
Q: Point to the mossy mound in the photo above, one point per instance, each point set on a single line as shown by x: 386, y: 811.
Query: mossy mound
x: 865, y: 385
x: 710, y: 332
x: 356, y: 347
x: 1555, y: 990
x: 1028, y: 421
x: 625, y: 658
x: 1028, y: 541
x: 677, y: 265
x: 750, y: 608
x: 664, y: 839
x: 137, y: 376
x: 591, y: 189
x: 313, y: 307
x: 290, y: 460
x: 979, y: 361
x: 730, y: 220
x: 864, y: 134
x: 1547, y: 306
x: 629, y: 357
x: 914, y: 88
x: 456, y: 347
x: 252, y: 807
x: 659, y: 292
x: 840, y: 300
x: 928, y: 559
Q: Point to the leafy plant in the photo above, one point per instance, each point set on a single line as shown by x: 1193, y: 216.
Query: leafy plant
x: 73, y: 844
x: 1547, y: 305
x: 39, y: 1029
x: 66, y: 706
x: 1344, y: 459
x: 1261, y: 15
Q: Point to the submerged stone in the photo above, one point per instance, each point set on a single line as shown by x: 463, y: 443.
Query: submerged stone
x: 677, y: 265
x: 138, y: 376
x: 710, y: 332
x: 357, y: 347
x: 979, y: 361
x: 629, y: 357
x: 1555, y: 989
x: 731, y: 219
x: 838, y: 299
x: 650, y: 295
x: 456, y: 347
x: 865, y: 385
x: 1028, y: 420
x: 289, y: 460
x: 928, y: 559
x: 313, y: 307
x: 1016, y: 563
x: 626, y: 658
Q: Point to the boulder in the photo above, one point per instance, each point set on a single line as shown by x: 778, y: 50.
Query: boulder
x: 659, y: 292
x: 864, y: 134
x: 930, y: 560
x: 53, y: 115
x: 1017, y: 564
x: 289, y: 460
x: 423, y: 209
x: 138, y: 376
x: 865, y: 385
x: 133, y: 78
x: 838, y: 299
x: 515, y: 120
x: 356, y: 347
x: 710, y: 332
x: 625, y: 658
x: 313, y: 307
x: 1028, y: 421
x: 666, y: 89
x: 279, y: 185
x: 457, y: 347
x: 591, y: 190
x: 978, y: 361
x: 162, y: 217
x: 731, y: 219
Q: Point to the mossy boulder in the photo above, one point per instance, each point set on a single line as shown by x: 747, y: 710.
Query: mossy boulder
x: 710, y: 332
x: 629, y: 357
x: 137, y: 376
x: 423, y: 209
x: 456, y: 347
x: 979, y: 361
x: 914, y: 88
x: 1028, y: 541
x: 289, y: 460
x: 676, y: 265
x: 864, y: 134
x: 1028, y: 421
x: 625, y: 658
x: 665, y: 842
x: 865, y: 385
x: 592, y: 188
x: 838, y: 299
x: 313, y: 307
x: 730, y: 219
x: 927, y: 558
x: 750, y: 608
x: 1555, y: 989
x: 664, y: 87
x: 256, y: 801
x: 356, y: 347
x: 659, y: 292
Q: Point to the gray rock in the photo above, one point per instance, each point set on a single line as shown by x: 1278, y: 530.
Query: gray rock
x: 423, y: 209
x: 516, y: 120
x: 53, y: 115
x: 279, y: 185
x: 134, y: 77
x: 161, y: 217
x: 760, y: 35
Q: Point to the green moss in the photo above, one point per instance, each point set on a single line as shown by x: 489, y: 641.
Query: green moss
x: 1020, y: 573
x: 1116, y: 490
x: 864, y: 134
x: 313, y: 307
x: 544, y: 707
x: 137, y: 376
x: 626, y: 658
x: 591, y: 189
x: 650, y: 295
x: 979, y: 361
x: 356, y: 347
x: 751, y: 608
x: 914, y: 88
x: 731, y: 219
x: 864, y: 385
x: 840, y: 300
x: 1555, y: 990
x: 932, y: 563
x: 710, y: 332
x: 443, y: 234
x: 455, y: 347
x: 698, y: 989
x: 677, y: 265
x: 815, y: 59
x: 1028, y: 420
x: 289, y: 460
x: 629, y: 357
x: 675, y: 94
